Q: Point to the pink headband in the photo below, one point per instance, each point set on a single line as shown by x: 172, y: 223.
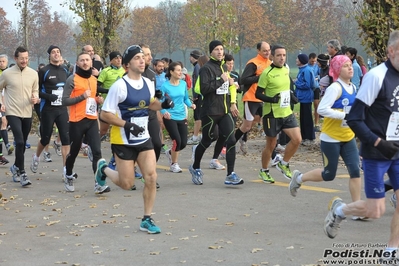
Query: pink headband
x: 336, y: 64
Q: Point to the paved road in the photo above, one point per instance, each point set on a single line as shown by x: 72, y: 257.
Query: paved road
x: 212, y: 224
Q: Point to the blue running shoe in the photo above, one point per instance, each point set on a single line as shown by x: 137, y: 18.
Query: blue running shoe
x: 196, y: 174
x: 100, y: 176
x: 112, y: 163
x: 233, y: 179
x: 148, y: 226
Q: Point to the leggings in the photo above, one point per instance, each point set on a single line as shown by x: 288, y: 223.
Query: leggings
x: 177, y: 130
x: 88, y: 128
x: 155, y: 134
x: 20, y: 129
x: 226, y: 135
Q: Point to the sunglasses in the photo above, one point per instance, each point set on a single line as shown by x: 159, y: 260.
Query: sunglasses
x: 130, y: 49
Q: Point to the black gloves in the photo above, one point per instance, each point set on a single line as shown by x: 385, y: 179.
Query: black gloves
x: 167, y: 103
x: 275, y: 98
x: 133, y: 128
x: 388, y: 148
x: 52, y: 97
x: 158, y: 94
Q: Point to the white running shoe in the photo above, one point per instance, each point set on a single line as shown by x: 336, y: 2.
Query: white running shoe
x: 276, y: 159
x: 215, y: 164
x: 175, y: 168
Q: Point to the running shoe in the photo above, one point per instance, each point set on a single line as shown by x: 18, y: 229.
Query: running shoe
x: 99, y: 175
x: 233, y: 179
x: 47, y: 157
x: 57, y: 148
x: 243, y: 146
x: 193, y: 141
x: 294, y: 185
x: 175, y: 168
x: 3, y: 160
x: 10, y: 148
x: 101, y: 189
x: 285, y: 170
x: 148, y: 225
x: 164, y: 148
x: 89, y: 153
x: 15, y: 173
x: 215, y: 164
x: 276, y: 159
x: 280, y: 148
x: 27, y: 145
x: 112, y: 163
x: 332, y: 221
x: 25, y: 180
x: 196, y: 175
x: 169, y: 156
x: 68, y: 183
x: 265, y: 177
x: 35, y: 163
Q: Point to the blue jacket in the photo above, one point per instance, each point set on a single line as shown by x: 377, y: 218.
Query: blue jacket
x: 305, y: 84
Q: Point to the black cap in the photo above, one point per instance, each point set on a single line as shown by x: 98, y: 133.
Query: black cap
x: 51, y: 48
x: 213, y: 44
x: 114, y: 54
x: 130, y: 52
x: 195, y: 54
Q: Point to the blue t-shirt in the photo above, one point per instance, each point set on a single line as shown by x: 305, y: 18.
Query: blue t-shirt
x: 179, y: 95
x: 159, y: 80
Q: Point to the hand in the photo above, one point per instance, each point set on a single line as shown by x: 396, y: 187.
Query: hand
x: 167, y: 103
x: 231, y: 81
x: 100, y: 99
x: 53, y: 97
x: 276, y: 98
x: 158, y: 94
x: 225, y: 77
x: 87, y: 94
x: 133, y: 128
x: 34, y: 99
x: 233, y: 109
x: 166, y: 115
x: 94, y: 71
x: 193, y: 106
x: 388, y: 148
x: 3, y: 108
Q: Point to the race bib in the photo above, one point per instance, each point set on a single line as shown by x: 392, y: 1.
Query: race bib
x: 59, y: 93
x: 91, y: 107
x: 224, y: 89
x: 285, y: 99
x: 346, y: 111
x: 393, y: 127
x: 142, y: 122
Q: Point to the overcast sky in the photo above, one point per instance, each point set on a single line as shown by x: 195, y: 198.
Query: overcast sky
x: 13, y: 12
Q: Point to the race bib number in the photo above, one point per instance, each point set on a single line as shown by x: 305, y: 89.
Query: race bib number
x: 224, y: 89
x: 285, y: 99
x: 142, y: 122
x: 91, y: 107
x: 393, y: 127
x: 346, y: 111
x: 59, y: 93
